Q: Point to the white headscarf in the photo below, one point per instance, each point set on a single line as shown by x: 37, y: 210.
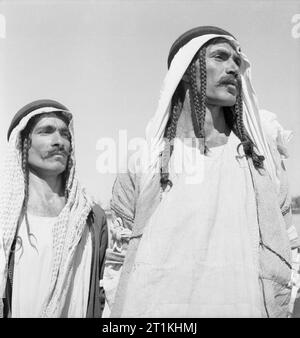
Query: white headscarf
x: 67, y: 230
x: 156, y: 127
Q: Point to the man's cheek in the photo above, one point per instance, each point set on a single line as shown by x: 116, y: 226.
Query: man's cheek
x: 68, y: 147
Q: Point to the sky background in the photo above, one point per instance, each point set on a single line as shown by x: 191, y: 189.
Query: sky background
x: 106, y: 60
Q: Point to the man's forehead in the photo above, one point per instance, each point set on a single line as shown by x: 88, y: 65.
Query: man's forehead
x: 222, y: 45
x: 51, y: 119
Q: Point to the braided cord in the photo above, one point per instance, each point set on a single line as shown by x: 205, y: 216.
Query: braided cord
x: 198, y: 99
x: 239, y: 129
x: 170, y: 134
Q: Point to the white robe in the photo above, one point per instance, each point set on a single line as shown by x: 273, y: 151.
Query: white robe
x: 33, y: 266
x: 198, y: 256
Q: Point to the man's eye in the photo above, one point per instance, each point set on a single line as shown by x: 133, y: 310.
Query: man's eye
x: 220, y: 57
x: 66, y: 134
x: 46, y: 131
x: 238, y: 63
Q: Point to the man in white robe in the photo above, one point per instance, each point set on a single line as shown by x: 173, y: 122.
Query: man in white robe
x: 211, y: 241
x: 53, y: 236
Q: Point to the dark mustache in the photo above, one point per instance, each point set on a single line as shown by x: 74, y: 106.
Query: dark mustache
x: 229, y: 79
x: 57, y: 152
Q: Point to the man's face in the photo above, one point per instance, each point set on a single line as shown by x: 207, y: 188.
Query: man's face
x: 50, y: 146
x: 222, y: 72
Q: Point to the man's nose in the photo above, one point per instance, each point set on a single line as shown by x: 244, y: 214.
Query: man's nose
x: 57, y: 139
x: 232, y: 68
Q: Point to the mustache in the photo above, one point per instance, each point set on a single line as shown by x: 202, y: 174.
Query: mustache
x: 57, y: 151
x: 230, y: 79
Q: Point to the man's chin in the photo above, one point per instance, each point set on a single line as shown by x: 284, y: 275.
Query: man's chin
x: 229, y: 104
x: 54, y: 170
x: 224, y: 102
x: 58, y: 169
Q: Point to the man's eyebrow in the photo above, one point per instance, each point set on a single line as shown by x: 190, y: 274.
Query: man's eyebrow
x: 50, y: 126
x: 219, y: 49
x: 46, y: 126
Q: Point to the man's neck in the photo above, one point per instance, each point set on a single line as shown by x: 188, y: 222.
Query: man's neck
x: 46, y: 194
x: 216, y: 130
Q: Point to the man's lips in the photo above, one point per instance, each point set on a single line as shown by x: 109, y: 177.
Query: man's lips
x: 229, y: 82
x: 57, y: 153
x: 231, y: 87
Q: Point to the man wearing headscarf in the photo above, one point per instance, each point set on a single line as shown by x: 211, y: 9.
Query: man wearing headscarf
x: 216, y: 244
x: 53, y: 236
